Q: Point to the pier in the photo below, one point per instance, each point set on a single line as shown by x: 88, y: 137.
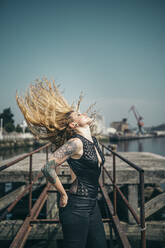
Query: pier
x: 125, y: 177
x: 133, y: 136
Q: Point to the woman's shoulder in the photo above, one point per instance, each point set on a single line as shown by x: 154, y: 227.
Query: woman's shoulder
x: 78, y: 146
x: 76, y: 141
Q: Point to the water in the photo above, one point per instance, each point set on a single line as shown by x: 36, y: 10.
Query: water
x: 9, y: 153
x: 154, y: 145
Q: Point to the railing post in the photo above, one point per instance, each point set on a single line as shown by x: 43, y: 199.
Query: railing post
x: 114, y: 182
x: 30, y: 182
x: 142, y: 211
x: 114, y: 148
x: 102, y: 170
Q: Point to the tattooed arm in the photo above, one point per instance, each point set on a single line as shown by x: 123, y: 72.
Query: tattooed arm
x: 70, y: 148
x: 58, y: 157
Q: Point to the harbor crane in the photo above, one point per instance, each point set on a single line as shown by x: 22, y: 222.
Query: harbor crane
x: 138, y: 118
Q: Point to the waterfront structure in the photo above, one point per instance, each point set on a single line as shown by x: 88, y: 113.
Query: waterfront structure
x: 153, y: 167
x: 120, y: 126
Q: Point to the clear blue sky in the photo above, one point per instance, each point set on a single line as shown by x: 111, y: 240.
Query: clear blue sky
x: 113, y: 51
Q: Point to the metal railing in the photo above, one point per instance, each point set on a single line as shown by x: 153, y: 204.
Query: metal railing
x: 140, y: 221
x: 28, y: 188
x: 34, y: 210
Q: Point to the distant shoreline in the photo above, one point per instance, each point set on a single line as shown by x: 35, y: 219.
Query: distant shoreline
x: 16, y: 143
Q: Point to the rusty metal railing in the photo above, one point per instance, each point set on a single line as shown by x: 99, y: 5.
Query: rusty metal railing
x: 34, y: 211
x: 31, y: 181
x: 113, y: 209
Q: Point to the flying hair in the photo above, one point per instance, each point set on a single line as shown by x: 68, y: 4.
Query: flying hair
x: 46, y: 111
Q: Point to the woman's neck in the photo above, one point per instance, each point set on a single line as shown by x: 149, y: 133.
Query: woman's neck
x: 84, y: 131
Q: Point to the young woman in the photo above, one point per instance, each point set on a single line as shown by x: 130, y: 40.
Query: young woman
x: 48, y: 115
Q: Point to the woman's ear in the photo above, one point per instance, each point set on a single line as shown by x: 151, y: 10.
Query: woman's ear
x: 73, y: 125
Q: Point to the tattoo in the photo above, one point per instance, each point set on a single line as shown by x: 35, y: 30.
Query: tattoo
x: 49, y: 171
x: 66, y: 150
x: 59, y: 156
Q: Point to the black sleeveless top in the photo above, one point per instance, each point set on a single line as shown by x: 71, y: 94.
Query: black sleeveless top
x: 86, y: 169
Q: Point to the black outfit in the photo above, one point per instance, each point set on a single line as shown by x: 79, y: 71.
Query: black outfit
x: 81, y: 219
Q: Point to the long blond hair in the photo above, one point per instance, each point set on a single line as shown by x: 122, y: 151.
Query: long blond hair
x: 46, y: 111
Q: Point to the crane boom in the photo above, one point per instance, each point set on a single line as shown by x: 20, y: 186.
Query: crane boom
x: 134, y: 111
x: 138, y: 118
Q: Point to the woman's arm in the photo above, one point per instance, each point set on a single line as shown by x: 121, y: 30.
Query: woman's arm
x: 69, y: 149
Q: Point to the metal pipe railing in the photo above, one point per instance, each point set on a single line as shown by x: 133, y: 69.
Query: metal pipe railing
x: 35, y: 210
x: 13, y: 204
x: 122, y: 158
x: 122, y: 237
x: 114, y: 183
x: 124, y: 198
x: 3, y: 167
x: 31, y: 182
x: 23, y: 232
x: 140, y: 221
x: 142, y: 212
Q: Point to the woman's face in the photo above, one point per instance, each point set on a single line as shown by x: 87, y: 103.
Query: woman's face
x: 81, y: 119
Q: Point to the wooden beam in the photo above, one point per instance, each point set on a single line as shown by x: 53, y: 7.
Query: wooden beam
x: 10, y: 197
x: 154, y: 205
x: 9, y: 228
x: 133, y: 201
x: 154, y: 230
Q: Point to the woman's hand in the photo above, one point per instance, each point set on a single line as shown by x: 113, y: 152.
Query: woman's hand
x: 63, y: 200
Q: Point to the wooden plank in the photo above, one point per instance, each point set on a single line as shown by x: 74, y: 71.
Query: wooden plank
x: 153, y: 165
x: 133, y: 201
x: 10, y: 197
x: 154, y: 230
x: 9, y: 228
x: 154, y: 205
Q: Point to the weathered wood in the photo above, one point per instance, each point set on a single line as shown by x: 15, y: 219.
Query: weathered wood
x: 133, y: 201
x: 9, y: 229
x: 154, y: 172
x: 154, y: 205
x: 52, y: 213
x: 155, y: 230
x: 153, y: 165
x: 20, y: 171
x: 51, y: 206
x: 10, y: 197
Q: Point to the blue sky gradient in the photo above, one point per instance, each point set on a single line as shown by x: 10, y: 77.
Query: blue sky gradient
x: 113, y: 51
